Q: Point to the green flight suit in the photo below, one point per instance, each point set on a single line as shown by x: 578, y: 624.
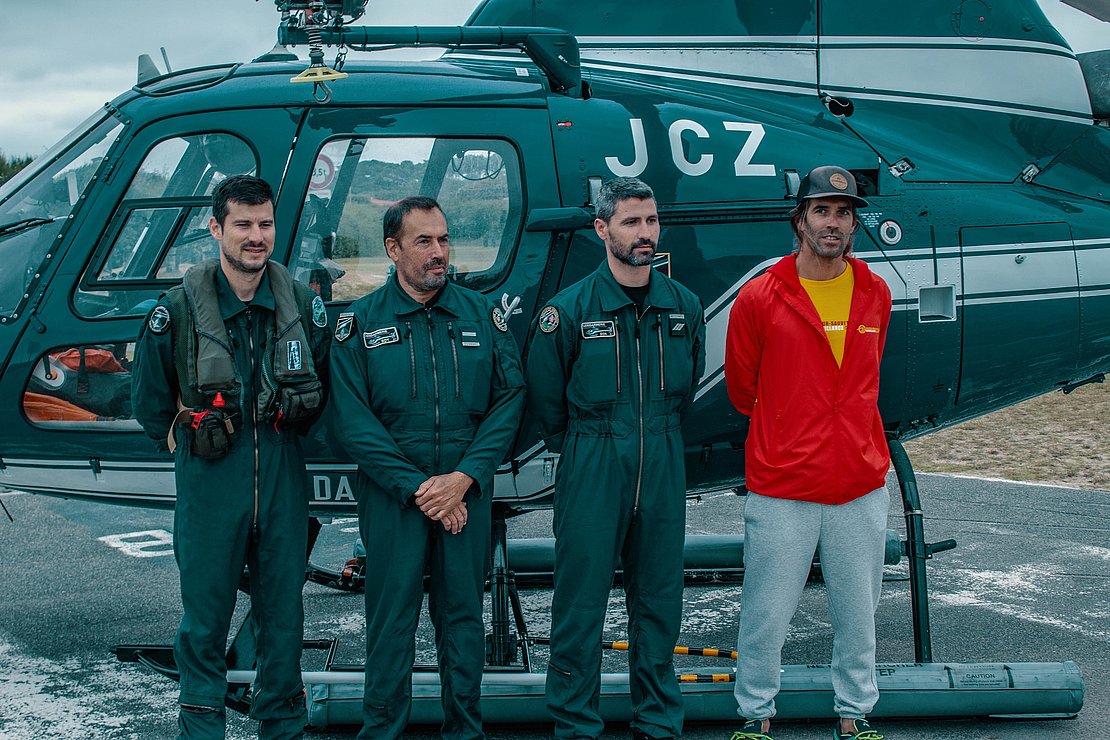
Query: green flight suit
x: 608, y: 389
x: 421, y: 391
x: 249, y: 507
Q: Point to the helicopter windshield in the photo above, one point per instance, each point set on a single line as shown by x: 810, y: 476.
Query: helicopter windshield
x: 35, y: 208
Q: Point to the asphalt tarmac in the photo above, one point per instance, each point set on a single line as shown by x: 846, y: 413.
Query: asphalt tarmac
x: 1028, y: 582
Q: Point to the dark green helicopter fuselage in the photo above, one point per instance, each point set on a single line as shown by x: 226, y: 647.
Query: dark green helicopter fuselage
x: 989, y: 211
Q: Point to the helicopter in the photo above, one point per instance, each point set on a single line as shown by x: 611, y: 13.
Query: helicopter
x: 979, y: 139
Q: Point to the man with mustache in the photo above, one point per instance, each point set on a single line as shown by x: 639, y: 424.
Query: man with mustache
x: 613, y: 366
x: 802, y: 356
x: 428, y: 393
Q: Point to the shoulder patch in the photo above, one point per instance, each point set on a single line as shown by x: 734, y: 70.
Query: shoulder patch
x: 344, y: 326
x: 159, y: 320
x: 549, y: 319
x: 498, y: 317
x: 319, y: 315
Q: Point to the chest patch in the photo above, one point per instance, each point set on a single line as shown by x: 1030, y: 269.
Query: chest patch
x: 293, y: 354
x: 380, y: 337
x: 498, y: 317
x: 470, y: 339
x: 344, y: 325
x: 678, y: 324
x: 598, y: 329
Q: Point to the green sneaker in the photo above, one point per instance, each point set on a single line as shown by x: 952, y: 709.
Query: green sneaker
x: 863, y: 731
x: 753, y: 730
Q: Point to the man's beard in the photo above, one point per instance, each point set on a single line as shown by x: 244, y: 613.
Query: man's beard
x: 813, y: 237
x: 240, y: 266
x: 431, y: 282
x: 629, y: 256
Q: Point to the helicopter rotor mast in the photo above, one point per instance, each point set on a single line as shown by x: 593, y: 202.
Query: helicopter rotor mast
x: 318, y: 23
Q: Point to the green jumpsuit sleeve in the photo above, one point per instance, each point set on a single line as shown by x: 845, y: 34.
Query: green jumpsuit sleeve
x: 154, y: 386
x: 360, y: 432
x: 498, y: 427
x: 698, y: 359
x: 548, y: 372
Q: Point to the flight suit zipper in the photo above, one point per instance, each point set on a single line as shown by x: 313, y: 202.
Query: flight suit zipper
x: 617, y: 344
x: 640, y: 400
x: 454, y: 356
x: 412, y: 356
x: 662, y: 364
x: 435, y: 394
x: 254, y: 417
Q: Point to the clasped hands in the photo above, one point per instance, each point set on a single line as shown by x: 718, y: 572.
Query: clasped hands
x: 441, y: 499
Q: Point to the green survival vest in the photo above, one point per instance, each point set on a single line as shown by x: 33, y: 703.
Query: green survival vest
x: 202, y: 346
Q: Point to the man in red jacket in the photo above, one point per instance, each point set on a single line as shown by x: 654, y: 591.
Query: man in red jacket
x: 802, y: 360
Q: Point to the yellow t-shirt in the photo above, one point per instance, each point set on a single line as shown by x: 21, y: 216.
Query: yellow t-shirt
x: 833, y: 301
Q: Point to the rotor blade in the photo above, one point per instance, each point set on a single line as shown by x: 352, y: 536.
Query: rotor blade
x: 1095, y: 8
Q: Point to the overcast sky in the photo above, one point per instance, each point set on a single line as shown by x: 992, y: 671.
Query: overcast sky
x: 61, y: 60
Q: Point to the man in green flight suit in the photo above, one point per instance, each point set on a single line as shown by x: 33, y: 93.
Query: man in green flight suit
x: 227, y: 375
x: 428, y: 392
x: 612, y: 367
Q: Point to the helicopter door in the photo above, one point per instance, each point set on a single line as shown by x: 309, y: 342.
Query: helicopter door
x: 143, y: 222
x: 1020, y: 309
x: 486, y: 169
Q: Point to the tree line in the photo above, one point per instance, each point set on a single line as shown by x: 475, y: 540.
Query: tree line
x: 11, y: 165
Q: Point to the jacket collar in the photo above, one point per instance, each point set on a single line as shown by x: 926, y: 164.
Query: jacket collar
x: 231, y: 305
x: 786, y: 270
x: 613, y: 297
x: 402, y: 304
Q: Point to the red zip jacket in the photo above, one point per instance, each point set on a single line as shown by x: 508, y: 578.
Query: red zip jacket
x: 815, y: 434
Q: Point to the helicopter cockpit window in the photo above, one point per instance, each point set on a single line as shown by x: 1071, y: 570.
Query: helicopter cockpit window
x: 82, y: 387
x: 33, y: 213
x: 161, y: 227
x: 476, y: 181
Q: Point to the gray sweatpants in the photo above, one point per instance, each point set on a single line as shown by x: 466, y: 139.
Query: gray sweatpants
x: 780, y: 536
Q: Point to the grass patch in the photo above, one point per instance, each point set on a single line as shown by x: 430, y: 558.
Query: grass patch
x: 1050, y: 439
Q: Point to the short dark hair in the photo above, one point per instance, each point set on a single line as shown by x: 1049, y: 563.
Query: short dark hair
x: 395, y: 215
x: 620, y: 188
x: 246, y: 189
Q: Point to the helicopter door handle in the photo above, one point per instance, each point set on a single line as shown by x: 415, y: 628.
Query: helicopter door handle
x: 1019, y: 259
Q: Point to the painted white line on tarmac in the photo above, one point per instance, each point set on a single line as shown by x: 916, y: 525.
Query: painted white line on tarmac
x: 1037, y: 484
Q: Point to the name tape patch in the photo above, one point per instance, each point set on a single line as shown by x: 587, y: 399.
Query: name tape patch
x: 598, y: 329
x: 381, y: 337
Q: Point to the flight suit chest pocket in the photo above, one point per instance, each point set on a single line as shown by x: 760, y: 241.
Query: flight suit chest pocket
x: 598, y: 376
x: 471, y: 366
x: 675, y: 347
x: 391, y: 367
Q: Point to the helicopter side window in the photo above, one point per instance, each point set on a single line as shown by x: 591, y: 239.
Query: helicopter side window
x: 82, y: 387
x: 161, y: 228
x: 34, y: 211
x: 354, y: 181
